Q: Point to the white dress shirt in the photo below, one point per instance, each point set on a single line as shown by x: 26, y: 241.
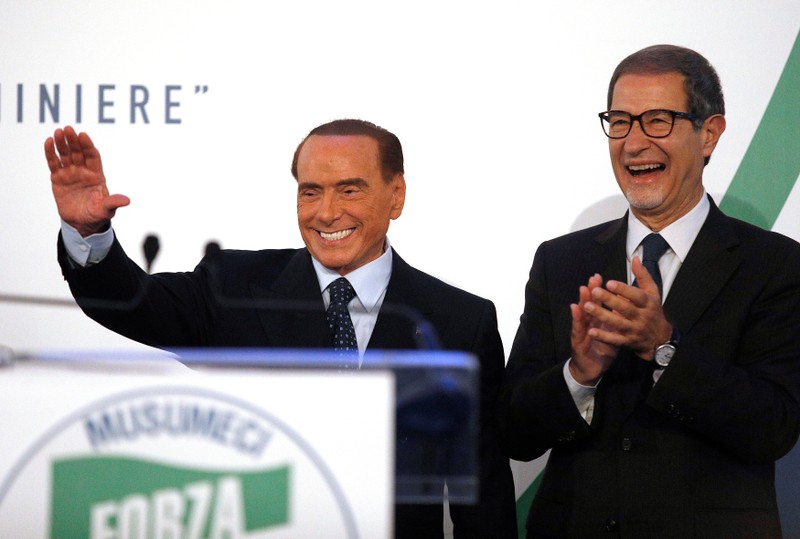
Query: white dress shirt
x: 89, y: 250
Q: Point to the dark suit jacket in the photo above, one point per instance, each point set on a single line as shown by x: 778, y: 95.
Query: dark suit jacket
x: 213, y: 307
x: 692, y: 456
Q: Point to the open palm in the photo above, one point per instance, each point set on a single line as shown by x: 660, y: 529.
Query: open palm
x: 78, y: 182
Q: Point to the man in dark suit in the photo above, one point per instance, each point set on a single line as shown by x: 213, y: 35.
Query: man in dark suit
x: 662, y: 421
x: 351, y: 184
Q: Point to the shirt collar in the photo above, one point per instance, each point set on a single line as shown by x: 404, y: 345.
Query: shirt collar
x: 369, y: 281
x: 680, y: 235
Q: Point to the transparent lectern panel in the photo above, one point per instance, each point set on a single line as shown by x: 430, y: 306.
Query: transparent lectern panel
x: 436, y: 421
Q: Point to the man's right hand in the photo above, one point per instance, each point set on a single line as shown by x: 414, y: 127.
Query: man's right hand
x: 590, y: 357
x: 79, y: 186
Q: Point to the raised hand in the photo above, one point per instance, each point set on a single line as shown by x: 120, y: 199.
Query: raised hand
x: 590, y: 357
x: 78, y: 182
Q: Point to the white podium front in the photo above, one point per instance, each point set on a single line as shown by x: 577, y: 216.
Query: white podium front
x: 230, y: 444
x: 133, y: 447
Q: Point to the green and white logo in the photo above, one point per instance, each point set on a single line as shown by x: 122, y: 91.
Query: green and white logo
x: 172, y: 463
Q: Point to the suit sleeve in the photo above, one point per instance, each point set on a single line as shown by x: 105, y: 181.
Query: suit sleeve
x: 535, y: 408
x: 157, y: 310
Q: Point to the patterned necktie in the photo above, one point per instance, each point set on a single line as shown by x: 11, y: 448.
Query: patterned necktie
x: 654, y: 246
x: 344, y: 334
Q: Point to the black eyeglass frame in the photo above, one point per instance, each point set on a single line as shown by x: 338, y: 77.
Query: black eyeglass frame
x: 604, y: 120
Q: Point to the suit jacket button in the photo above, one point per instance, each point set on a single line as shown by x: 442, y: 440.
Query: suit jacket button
x: 566, y: 437
x: 627, y: 444
x: 612, y: 525
x: 673, y: 411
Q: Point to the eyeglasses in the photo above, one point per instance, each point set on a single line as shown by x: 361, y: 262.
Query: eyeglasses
x: 656, y: 123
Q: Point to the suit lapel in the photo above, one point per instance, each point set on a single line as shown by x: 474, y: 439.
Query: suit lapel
x: 396, y: 326
x: 294, y: 314
x: 709, y: 265
x: 611, y: 251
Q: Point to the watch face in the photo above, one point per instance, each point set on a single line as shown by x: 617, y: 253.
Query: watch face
x: 664, y: 354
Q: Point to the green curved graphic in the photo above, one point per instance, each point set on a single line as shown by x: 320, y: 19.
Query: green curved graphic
x: 761, y: 186
x: 771, y: 165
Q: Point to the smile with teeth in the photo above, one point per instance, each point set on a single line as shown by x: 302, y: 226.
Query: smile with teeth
x: 338, y: 235
x: 640, y: 169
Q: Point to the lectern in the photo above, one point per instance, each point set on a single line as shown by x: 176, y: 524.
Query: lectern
x: 238, y: 443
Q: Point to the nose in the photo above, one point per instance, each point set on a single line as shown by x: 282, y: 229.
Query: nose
x: 329, y: 208
x: 636, y: 139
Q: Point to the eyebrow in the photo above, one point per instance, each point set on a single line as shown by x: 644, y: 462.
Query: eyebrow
x: 360, y: 182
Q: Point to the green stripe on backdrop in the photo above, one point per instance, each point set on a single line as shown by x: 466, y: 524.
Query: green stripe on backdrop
x: 761, y: 185
x: 524, y: 502
x: 771, y: 165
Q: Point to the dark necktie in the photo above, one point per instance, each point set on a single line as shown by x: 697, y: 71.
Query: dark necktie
x: 654, y: 246
x: 344, y: 334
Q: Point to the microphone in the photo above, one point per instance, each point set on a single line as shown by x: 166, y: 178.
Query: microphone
x: 212, y: 248
x: 150, y: 248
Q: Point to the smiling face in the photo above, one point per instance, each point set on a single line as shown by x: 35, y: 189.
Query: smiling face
x: 344, y: 205
x: 662, y: 178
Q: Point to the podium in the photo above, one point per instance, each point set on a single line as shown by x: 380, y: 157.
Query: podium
x: 244, y: 443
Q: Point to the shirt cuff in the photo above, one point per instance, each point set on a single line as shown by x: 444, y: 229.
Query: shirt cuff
x: 581, y: 394
x: 89, y: 250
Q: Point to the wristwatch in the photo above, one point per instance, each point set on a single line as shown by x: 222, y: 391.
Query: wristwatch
x: 665, y: 352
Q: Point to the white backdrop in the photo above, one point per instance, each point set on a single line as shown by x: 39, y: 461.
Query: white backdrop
x: 495, y: 105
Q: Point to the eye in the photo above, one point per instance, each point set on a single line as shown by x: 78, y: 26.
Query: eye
x: 659, y: 117
x: 619, y: 120
x: 308, y: 194
x: 350, y: 190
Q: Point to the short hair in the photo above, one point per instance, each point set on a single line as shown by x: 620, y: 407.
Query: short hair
x: 701, y: 82
x: 390, y: 152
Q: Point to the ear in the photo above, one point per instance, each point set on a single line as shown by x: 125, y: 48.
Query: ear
x: 712, y: 130
x: 398, y: 195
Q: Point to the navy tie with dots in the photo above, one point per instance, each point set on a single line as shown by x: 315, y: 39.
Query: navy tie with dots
x: 344, y: 334
x: 654, y: 247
